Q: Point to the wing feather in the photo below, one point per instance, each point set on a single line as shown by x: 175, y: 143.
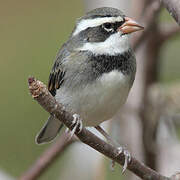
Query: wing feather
x: 57, y: 73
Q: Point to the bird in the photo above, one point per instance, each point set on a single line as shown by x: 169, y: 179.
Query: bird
x: 93, y: 71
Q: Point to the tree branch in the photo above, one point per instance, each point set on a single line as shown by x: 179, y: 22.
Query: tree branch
x: 168, y: 31
x: 173, y: 6
x: 40, y: 93
x: 47, y: 158
x: 154, y: 39
x: 148, y: 22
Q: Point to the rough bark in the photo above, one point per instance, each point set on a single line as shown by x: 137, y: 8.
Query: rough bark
x: 40, y: 93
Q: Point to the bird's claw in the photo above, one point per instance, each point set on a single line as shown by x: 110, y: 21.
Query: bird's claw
x: 127, y: 159
x: 76, y: 124
x: 112, y: 165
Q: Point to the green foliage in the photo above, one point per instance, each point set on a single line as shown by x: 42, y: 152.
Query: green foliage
x: 31, y: 34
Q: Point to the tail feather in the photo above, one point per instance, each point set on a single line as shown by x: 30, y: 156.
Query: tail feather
x: 49, y: 130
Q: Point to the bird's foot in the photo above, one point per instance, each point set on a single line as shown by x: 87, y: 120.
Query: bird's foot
x: 120, y: 149
x: 76, y: 124
x: 127, y: 159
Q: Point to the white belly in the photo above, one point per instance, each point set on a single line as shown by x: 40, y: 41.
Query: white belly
x: 98, y: 101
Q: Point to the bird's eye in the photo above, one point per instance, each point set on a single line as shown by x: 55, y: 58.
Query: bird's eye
x: 108, y: 27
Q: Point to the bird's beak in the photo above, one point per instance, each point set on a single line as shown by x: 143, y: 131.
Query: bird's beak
x: 130, y: 26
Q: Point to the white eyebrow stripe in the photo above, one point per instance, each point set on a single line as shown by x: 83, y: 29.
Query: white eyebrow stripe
x: 85, y: 23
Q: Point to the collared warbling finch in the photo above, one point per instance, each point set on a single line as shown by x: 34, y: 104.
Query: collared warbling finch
x: 93, y: 71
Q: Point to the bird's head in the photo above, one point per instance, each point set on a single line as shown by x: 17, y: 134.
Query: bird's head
x: 104, y: 31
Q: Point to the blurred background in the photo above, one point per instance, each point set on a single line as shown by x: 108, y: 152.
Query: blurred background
x: 31, y: 32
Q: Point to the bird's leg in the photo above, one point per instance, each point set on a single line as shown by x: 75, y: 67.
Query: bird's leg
x: 76, y: 124
x: 107, y: 136
x: 120, y: 149
x: 127, y: 156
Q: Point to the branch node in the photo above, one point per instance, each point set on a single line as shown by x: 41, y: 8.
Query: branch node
x: 36, y: 87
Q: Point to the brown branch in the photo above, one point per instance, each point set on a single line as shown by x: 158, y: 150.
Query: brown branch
x: 154, y: 37
x: 173, y: 6
x: 168, y: 31
x: 40, y: 93
x: 48, y: 157
x: 148, y: 22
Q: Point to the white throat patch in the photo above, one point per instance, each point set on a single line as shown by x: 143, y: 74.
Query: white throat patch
x: 115, y: 44
x: 84, y: 24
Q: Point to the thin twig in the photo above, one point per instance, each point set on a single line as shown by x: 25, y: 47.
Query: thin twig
x: 47, y: 158
x: 168, y: 31
x: 106, y: 135
x: 148, y: 22
x: 173, y: 6
x: 40, y: 93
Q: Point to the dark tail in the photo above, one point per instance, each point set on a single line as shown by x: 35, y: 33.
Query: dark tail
x: 49, y: 130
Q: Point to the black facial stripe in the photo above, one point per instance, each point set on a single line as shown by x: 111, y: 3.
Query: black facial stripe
x: 95, y: 34
x: 99, y: 33
x: 114, y: 25
x: 118, y: 24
